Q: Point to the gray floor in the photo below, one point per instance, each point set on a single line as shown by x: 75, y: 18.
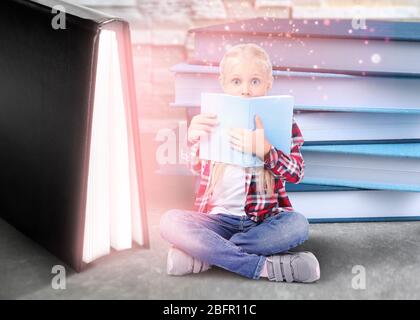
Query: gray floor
x: 389, y: 252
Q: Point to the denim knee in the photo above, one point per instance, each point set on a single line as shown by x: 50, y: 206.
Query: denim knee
x: 297, y: 233
x: 300, y: 225
x: 168, y: 223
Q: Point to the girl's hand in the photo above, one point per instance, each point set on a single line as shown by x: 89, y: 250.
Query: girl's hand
x: 250, y: 141
x: 201, y: 125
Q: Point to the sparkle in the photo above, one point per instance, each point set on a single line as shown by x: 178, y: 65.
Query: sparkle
x: 376, y: 58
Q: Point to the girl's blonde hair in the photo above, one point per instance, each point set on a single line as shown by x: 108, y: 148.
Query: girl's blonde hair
x: 264, y: 178
x: 248, y: 50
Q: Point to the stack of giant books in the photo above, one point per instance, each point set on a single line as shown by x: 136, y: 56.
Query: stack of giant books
x: 357, y: 103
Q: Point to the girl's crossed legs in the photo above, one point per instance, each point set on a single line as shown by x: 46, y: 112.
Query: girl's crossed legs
x: 234, y: 243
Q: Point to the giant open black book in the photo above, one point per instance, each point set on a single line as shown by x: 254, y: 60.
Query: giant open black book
x: 70, y: 170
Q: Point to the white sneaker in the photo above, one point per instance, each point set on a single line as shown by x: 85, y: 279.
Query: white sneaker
x: 179, y: 263
x: 293, y: 267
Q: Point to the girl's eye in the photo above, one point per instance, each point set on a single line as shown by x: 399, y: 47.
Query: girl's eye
x: 236, y: 81
x: 255, y: 81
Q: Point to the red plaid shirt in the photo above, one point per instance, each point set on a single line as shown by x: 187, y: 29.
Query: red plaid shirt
x: 284, y: 167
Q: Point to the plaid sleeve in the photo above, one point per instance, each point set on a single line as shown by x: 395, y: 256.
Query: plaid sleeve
x: 290, y: 167
x: 192, y: 159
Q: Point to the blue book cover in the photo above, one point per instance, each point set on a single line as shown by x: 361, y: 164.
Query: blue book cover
x: 379, y: 48
x: 369, y: 166
x: 336, y: 28
x: 276, y: 113
x: 313, y: 91
x: 308, y: 187
x: 402, y: 150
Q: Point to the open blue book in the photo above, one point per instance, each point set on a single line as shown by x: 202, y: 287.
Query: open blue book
x: 276, y: 113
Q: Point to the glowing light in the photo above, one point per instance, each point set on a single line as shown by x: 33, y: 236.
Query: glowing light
x: 376, y: 58
x: 97, y: 232
x: 110, y: 188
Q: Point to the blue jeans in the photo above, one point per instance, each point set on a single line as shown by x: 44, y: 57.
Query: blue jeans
x: 234, y: 243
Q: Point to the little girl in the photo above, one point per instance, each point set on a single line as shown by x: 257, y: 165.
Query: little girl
x: 244, y: 221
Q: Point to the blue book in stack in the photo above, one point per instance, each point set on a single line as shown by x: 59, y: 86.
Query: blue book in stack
x: 357, y: 103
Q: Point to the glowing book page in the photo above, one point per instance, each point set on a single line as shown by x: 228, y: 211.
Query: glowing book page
x: 96, y: 241
x: 120, y: 199
x: 108, y: 208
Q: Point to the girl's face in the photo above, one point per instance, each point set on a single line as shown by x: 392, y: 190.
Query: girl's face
x: 245, y: 77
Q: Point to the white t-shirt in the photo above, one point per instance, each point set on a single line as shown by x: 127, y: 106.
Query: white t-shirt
x: 229, y: 193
